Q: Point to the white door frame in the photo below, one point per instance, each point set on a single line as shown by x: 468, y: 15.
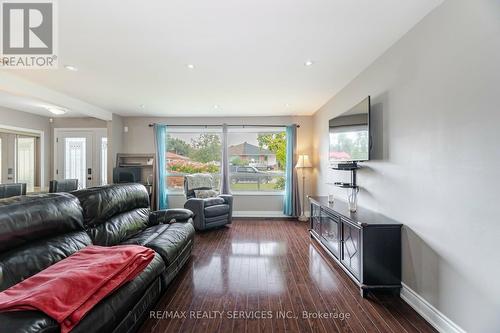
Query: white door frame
x: 96, y: 133
x: 39, y: 133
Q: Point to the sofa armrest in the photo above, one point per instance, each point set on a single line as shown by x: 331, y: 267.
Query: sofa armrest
x: 166, y: 216
x: 228, y: 198
x: 197, y: 206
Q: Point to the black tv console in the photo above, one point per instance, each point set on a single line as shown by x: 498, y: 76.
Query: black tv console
x: 366, y: 245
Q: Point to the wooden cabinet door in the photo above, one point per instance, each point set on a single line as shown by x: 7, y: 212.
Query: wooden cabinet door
x: 351, y: 249
x: 316, y: 219
x: 330, y: 232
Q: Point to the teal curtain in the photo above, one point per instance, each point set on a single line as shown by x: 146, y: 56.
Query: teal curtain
x: 291, y: 205
x: 161, y: 165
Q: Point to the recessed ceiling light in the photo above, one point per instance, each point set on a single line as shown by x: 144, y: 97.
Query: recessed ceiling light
x: 309, y: 63
x: 216, y: 106
x: 190, y: 66
x: 142, y: 106
x: 56, y: 111
x: 287, y: 105
x: 71, y: 68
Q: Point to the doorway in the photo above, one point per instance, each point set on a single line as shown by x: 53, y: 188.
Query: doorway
x: 22, y: 157
x: 80, y: 154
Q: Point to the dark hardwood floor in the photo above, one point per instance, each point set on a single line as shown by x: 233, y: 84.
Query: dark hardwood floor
x: 267, y: 270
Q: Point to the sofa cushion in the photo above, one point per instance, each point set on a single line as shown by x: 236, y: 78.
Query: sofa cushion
x: 25, y: 219
x: 114, y: 213
x: 147, y: 235
x: 108, y: 313
x: 120, y: 227
x: 36, y: 232
x: 213, y: 201
x: 27, y: 322
x: 25, y: 261
x: 166, y: 239
x: 216, y: 210
x: 104, y: 317
x: 102, y: 203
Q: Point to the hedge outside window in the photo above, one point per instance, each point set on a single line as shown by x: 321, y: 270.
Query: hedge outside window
x: 192, y: 150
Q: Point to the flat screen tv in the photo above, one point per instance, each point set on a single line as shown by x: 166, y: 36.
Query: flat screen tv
x: 350, y: 135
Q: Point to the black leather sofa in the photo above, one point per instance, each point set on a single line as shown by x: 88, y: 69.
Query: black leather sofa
x: 38, y: 231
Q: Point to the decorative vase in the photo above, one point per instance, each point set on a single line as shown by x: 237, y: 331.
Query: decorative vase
x: 352, y: 199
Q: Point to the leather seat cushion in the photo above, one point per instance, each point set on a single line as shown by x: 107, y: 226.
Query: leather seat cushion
x: 27, y: 322
x: 100, y: 204
x: 213, y: 201
x: 107, y: 314
x: 120, y: 227
x: 104, y: 317
x: 29, y: 218
x: 166, y: 239
x: 216, y: 210
x: 147, y: 235
x: 25, y: 261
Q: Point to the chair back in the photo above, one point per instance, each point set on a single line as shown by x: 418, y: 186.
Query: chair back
x: 12, y: 190
x: 126, y: 175
x: 65, y: 185
x: 199, y: 181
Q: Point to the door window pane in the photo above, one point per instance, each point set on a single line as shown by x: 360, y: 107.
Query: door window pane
x: 75, y: 160
x: 26, y: 162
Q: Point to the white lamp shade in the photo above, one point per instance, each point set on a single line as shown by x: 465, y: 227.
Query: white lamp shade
x: 303, y: 162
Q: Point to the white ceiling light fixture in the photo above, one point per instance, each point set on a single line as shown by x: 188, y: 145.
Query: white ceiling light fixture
x: 216, y: 106
x: 56, y: 111
x: 308, y: 63
x: 142, y: 106
x: 71, y: 68
x: 190, y: 66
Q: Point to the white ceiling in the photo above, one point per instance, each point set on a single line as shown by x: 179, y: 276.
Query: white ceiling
x: 30, y: 104
x: 248, y: 55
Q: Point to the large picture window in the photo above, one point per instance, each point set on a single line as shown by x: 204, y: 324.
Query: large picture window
x: 257, y: 158
x: 256, y: 155
x: 192, y: 150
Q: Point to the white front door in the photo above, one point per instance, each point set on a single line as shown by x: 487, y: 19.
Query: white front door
x: 78, y: 156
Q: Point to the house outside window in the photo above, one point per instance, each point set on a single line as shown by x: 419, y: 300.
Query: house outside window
x: 257, y: 159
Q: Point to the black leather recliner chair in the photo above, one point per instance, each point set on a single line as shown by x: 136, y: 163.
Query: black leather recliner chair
x: 209, y: 212
x: 39, y: 230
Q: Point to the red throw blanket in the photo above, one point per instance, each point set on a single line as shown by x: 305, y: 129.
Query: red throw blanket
x: 69, y: 289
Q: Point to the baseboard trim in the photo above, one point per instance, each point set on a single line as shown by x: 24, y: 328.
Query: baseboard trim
x: 255, y: 213
x: 433, y: 316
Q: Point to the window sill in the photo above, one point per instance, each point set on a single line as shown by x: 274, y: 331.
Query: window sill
x: 238, y: 194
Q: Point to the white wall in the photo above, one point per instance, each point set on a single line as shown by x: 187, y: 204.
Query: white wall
x: 115, y: 142
x: 436, y: 167
x: 14, y: 118
x: 139, y: 139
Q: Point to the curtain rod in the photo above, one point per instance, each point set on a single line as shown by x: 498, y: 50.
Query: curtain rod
x: 206, y: 126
